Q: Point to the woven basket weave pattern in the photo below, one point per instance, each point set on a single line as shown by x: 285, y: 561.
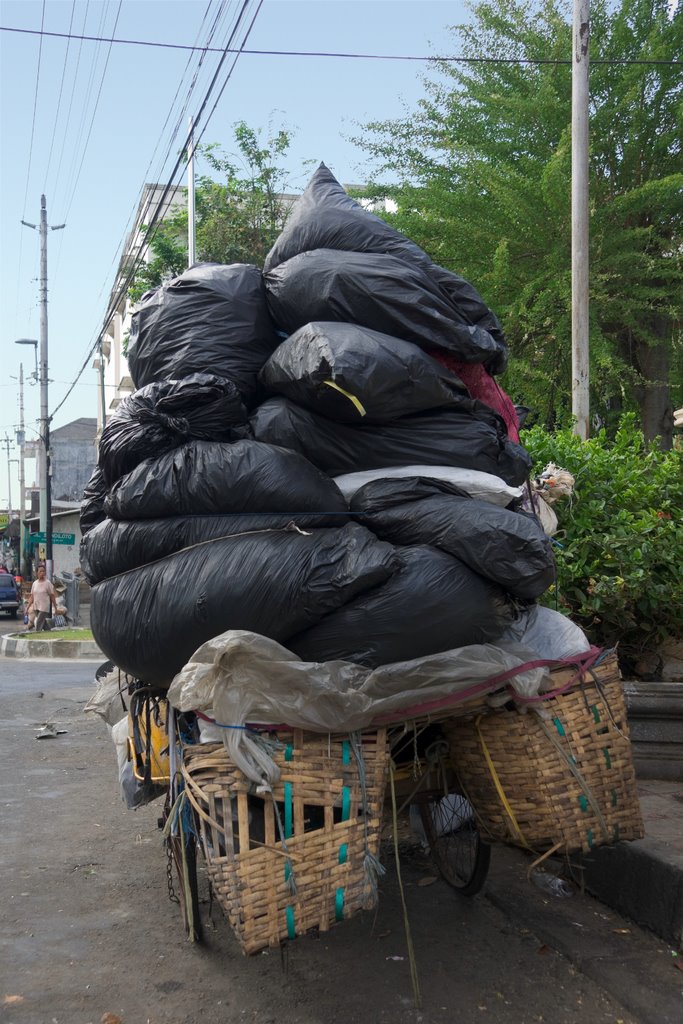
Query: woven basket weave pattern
x: 272, y: 889
x: 560, y: 775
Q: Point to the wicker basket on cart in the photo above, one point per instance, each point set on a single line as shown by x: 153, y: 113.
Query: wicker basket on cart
x: 302, y: 856
x: 558, y: 777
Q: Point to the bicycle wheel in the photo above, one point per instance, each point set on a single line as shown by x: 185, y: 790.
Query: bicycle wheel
x: 456, y: 847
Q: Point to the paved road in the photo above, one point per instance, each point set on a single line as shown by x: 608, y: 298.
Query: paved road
x: 88, y: 929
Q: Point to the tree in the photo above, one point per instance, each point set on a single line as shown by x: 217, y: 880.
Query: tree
x: 484, y: 168
x: 237, y: 217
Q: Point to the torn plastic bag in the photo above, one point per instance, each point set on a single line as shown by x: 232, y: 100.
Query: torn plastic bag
x: 485, y: 486
x: 451, y: 436
x: 432, y: 603
x: 507, y: 547
x: 381, y: 292
x: 205, y: 477
x: 150, y: 620
x: 167, y: 414
x: 241, y: 677
x: 92, y: 506
x: 211, y: 319
x: 352, y: 374
x: 118, y: 545
x: 325, y: 217
x: 547, y: 633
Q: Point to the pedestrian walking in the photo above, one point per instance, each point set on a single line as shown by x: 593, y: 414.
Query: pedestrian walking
x: 42, y: 600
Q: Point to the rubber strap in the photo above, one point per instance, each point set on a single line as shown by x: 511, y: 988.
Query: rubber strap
x: 289, y: 917
x: 499, y: 789
x: 352, y: 398
x: 339, y: 905
x: 288, y: 810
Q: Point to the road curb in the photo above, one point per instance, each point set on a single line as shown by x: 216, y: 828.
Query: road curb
x: 12, y: 646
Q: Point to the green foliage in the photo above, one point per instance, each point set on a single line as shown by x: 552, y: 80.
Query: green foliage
x: 484, y: 168
x: 621, y: 535
x: 237, y: 217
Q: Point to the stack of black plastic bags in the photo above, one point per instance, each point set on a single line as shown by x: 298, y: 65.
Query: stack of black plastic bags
x: 214, y: 505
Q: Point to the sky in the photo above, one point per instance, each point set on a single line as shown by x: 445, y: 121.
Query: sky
x: 88, y: 123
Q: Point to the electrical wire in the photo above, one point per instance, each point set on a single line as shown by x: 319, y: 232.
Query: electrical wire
x: 153, y: 226
x: 352, y: 56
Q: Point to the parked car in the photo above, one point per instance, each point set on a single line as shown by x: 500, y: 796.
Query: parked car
x: 10, y: 595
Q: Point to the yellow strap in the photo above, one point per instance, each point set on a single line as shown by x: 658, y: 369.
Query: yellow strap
x: 351, y: 398
x: 499, y: 789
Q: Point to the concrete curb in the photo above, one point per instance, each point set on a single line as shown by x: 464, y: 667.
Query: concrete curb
x: 642, y: 880
x: 13, y: 646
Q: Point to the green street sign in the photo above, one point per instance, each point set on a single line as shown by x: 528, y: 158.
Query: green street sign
x: 4, y: 521
x: 57, y: 538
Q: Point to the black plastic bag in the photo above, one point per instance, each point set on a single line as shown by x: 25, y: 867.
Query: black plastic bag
x: 470, y: 437
x: 206, y: 477
x: 149, y: 621
x: 92, y: 506
x: 118, y: 545
x: 211, y: 319
x: 433, y: 603
x: 325, y: 217
x: 507, y: 547
x: 165, y: 415
x: 377, y: 291
x: 352, y: 374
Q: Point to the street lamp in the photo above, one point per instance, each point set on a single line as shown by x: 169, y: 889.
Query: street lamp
x: 31, y: 341
x: 45, y: 496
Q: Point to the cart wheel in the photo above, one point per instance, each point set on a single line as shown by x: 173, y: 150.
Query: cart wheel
x: 457, y: 849
x: 187, y: 891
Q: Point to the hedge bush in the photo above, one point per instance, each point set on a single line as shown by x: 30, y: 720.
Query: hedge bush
x: 619, y: 546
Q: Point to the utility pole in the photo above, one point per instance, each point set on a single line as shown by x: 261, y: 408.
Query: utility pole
x: 580, y: 229
x: 7, y: 443
x: 191, y: 233
x: 21, y: 437
x: 46, y: 469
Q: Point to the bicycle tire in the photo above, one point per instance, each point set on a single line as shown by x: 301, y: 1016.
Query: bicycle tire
x: 457, y: 850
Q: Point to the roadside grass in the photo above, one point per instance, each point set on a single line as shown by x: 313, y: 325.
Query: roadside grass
x: 59, y: 634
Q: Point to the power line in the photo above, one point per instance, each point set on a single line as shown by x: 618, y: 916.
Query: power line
x: 345, y: 56
x: 153, y: 226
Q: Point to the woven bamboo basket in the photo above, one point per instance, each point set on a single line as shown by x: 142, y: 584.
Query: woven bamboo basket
x: 302, y: 857
x: 559, y: 777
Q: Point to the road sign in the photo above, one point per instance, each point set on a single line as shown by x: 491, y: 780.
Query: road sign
x: 4, y: 521
x: 57, y: 538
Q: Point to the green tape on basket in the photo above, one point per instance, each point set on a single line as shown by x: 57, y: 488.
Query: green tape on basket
x: 589, y: 837
x: 339, y: 905
x: 289, y: 752
x: 289, y: 917
x: 616, y: 833
x: 608, y: 759
x: 288, y: 810
x: 346, y: 803
x: 615, y: 799
x: 558, y: 725
x: 346, y: 752
x: 596, y: 713
x: 583, y: 803
x: 343, y: 853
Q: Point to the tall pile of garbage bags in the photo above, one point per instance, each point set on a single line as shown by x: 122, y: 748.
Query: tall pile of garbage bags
x: 303, y: 459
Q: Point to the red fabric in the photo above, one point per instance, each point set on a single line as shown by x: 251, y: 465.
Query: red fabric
x: 483, y: 386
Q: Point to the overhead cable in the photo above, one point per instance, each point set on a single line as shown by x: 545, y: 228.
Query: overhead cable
x: 351, y: 56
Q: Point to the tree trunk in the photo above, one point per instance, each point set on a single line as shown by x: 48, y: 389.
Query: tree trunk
x: 654, y: 396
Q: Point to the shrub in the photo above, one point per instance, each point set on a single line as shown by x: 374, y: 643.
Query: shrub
x: 620, y: 537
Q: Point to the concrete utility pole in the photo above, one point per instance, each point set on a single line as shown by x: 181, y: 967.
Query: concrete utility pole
x: 45, y: 495
x: 580, y: 230
x: 21, y: 438
x: 191, y: 233
x: 7, y: 443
